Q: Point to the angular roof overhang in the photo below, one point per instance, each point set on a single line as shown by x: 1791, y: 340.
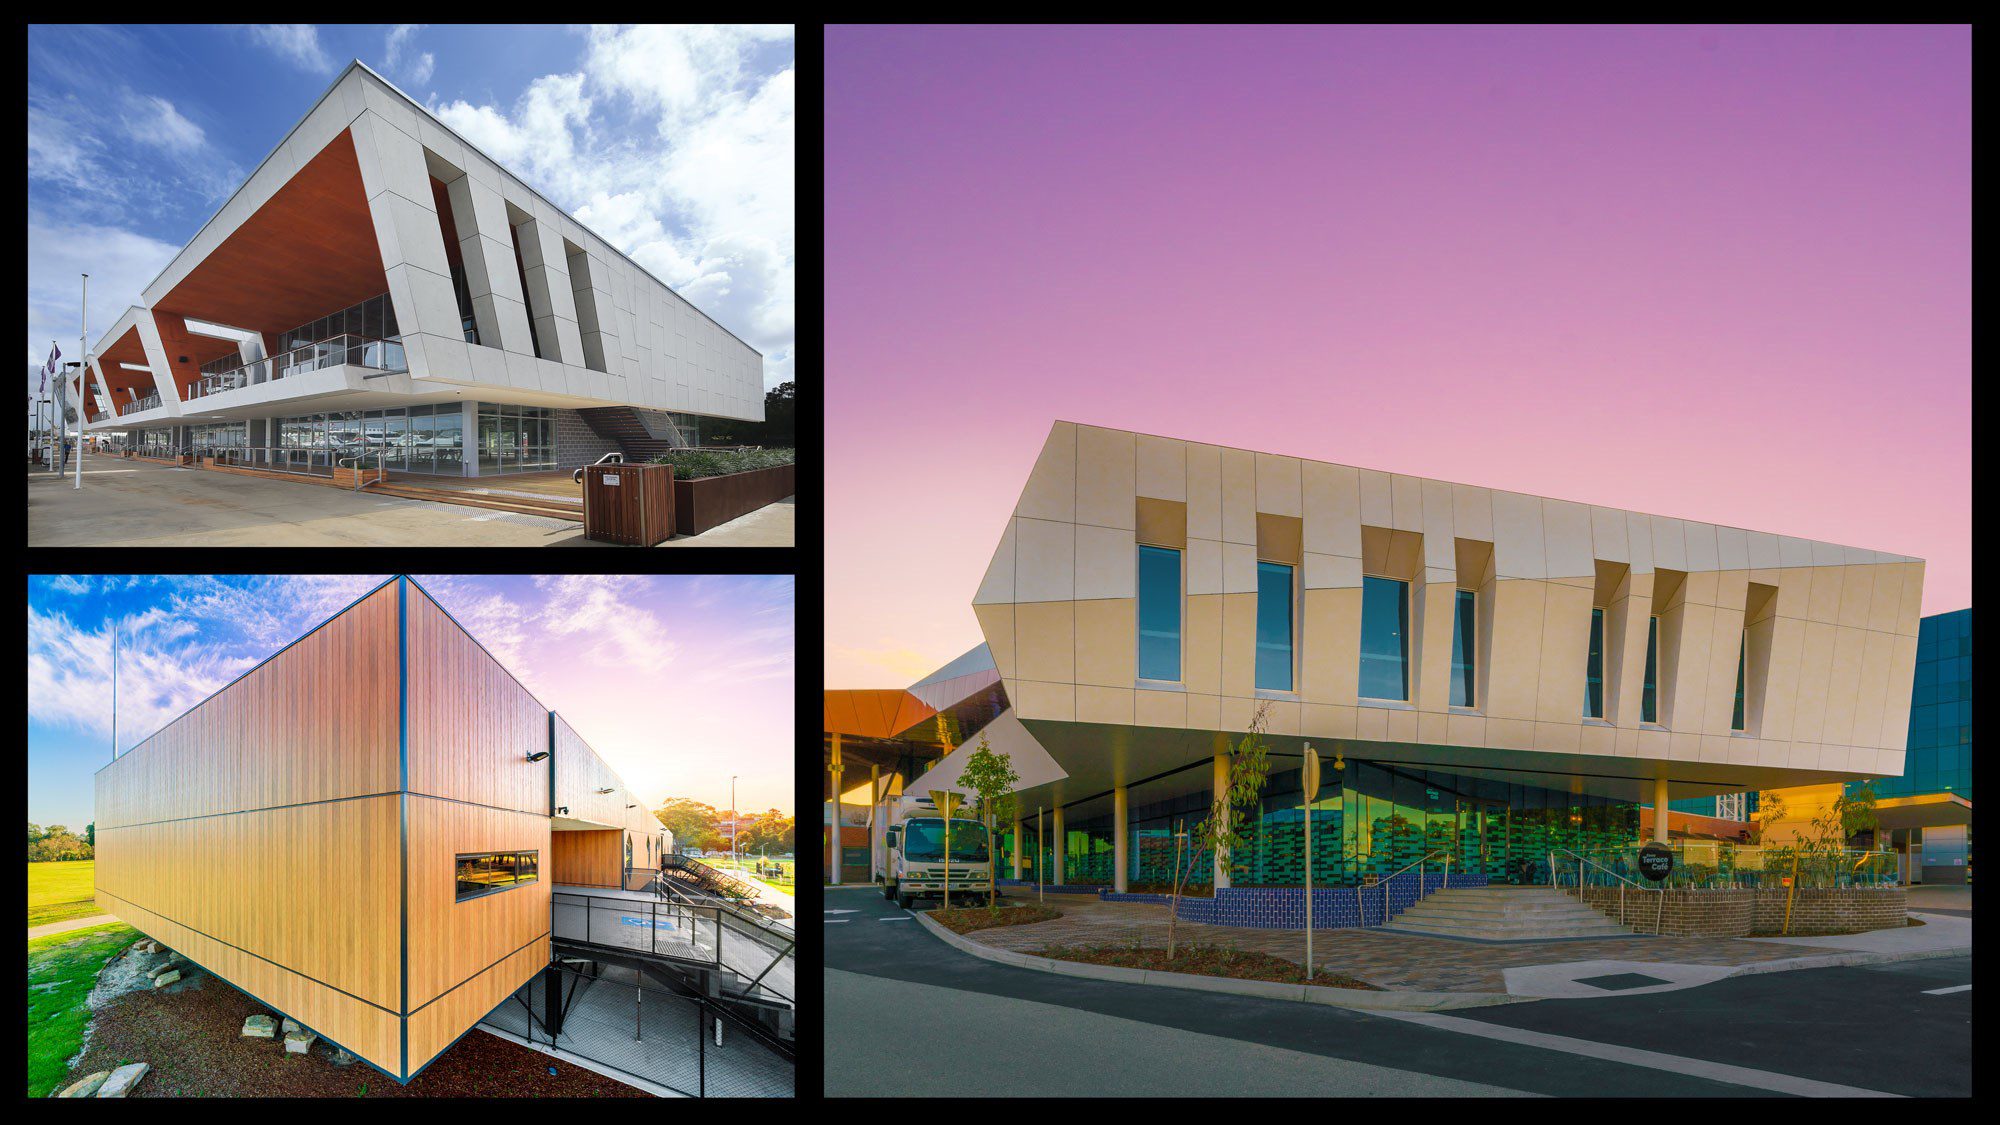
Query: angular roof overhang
x: 1926, y: 810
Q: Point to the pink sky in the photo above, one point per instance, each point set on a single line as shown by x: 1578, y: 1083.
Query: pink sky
x: 1720, y: 274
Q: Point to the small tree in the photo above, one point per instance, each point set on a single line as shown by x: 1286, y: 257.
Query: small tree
x: 1221, y: 831
x: 991, y: 778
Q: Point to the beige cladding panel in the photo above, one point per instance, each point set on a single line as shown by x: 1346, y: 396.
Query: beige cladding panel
x: 1828, y: 684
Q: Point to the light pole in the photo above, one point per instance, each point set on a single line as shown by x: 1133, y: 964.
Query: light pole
x: 736, y: 821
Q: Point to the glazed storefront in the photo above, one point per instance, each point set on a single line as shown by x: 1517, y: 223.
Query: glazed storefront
x: 1370, y: 821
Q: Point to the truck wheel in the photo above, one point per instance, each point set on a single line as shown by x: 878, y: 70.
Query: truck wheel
x: 889, y: 891
x: 904, y: 901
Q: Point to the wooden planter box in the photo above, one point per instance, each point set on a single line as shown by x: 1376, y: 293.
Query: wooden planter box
x: 345, y: 477
x: 630, y: 504
x: 711, y: 501
x: 208, y: 462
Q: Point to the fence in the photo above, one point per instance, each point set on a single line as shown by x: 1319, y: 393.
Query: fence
x: 1715, y: 865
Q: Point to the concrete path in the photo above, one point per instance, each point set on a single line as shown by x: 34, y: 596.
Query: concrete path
x: 1940, y: 935
x: 71, y: 924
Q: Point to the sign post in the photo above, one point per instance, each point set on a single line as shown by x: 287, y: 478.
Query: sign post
x: 947, y: 803
x: 1310, y: 774
x: 1656, y: 861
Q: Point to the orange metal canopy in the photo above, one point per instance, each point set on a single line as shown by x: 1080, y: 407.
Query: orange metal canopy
x: 873, y: 712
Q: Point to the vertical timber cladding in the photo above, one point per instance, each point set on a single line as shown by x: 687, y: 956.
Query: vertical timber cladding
x: 587, y: 858
x: 257, y: 834
x: 580, y: 773
x: 471, y: 789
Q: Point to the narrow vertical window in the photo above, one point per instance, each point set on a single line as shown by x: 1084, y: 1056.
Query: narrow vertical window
x: 1159, y: 613
x: 1385, y: 629
x: 1462, y: 638
x: 1742, y: 651
x: 1593, y: 675
x: 1274, y: 626
x: 1649, y: 698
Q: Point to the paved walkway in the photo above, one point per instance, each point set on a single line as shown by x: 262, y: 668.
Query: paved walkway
x: 1394, y: 961
x: 70, y: 924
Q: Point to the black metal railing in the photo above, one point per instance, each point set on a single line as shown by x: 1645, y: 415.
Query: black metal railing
x: 757, y: 955
x: 148, y: 403
x: 612, y: 1015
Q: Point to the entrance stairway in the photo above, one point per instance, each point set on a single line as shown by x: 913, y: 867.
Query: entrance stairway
x: 1504, y: 914
x: 551, y: 507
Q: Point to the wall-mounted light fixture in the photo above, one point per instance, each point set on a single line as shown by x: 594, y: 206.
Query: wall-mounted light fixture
x: 604, y: 791
x: 562, y: 810
x: 631, y: 806
x: 538, y: 755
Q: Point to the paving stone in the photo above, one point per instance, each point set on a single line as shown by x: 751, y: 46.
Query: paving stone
x: 299, y: 1042
x: 85, y: 1087
x: 166, y: 978
x: 123, y: 1079
x: 259, y: 1027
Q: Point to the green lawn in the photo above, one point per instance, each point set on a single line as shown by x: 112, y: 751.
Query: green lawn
x: 60, y: 891
x: 747, y: 866
x: 68, y: 965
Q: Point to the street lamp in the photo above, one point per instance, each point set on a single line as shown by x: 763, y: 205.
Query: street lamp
x: 736, y: 821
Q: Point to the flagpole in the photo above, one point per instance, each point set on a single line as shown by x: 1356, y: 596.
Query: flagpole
x: 82, y: 373
x: 114, y: 689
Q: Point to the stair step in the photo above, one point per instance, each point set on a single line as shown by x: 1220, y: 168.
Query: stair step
x: 475, y: 500
x: 1525, y: 933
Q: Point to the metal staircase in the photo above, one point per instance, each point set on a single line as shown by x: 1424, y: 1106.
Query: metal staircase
x: 623, y: 425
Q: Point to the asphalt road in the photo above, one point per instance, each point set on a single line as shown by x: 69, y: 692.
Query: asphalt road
x: 1012, y: 1032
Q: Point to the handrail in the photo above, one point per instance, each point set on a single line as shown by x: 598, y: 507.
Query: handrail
x: 360, y: 457
x: 333, y: 351
x: 1418, y: 863
x: 607, y: 459
x: 1659, y: 906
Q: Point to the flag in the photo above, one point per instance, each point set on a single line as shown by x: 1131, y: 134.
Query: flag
x: 55, y: 353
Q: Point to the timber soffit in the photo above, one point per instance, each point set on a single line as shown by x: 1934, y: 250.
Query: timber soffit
x: 357, y: 64
x: 1892, y: 556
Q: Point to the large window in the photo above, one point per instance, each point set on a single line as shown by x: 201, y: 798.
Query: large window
x: 1385, y: 631
x: 515, y: 439
x: 1742, y: 651
x: 1593, y: 671
x: 1274, y: 626
x: 1649, y: 698
x: 1159, y: 613
x: 486, y: 873
x: 1463, y: 623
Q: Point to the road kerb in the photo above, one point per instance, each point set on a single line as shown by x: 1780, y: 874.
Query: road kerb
x: 1358, y: 998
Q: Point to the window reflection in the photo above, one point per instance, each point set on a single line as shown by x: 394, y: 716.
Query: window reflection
x: 488, y: 872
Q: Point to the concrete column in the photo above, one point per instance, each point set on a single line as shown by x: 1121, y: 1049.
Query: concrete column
x: 833, y: 834
x: 1660, y: 808
x: 874, y: 805
x: 1221, y: 792
x: 1119, y: 820
x: 1020, y: 842
x: 1056, y: 850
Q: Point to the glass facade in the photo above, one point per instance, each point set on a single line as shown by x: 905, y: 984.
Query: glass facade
x: 1938, y: 755
x: 515, y: 439
x: 374, y: 318
x: 1385, y: 629
x: 490, y: 872
x: 1274, y: 626
x: 416, y: 439
x: 1159, y: 614
x: 1370, y: 819
x: 1464, y: 622
x: 208, y: 439
x: 1593, y: 669
x: 1649, y: 695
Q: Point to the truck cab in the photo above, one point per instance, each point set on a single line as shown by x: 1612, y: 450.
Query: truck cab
x: 917, y: 864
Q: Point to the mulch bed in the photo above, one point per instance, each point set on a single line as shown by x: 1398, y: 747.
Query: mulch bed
x: 1208, y: 961
x: 1828, y: 933
x: 192, y: 1035
x: 964, y: 920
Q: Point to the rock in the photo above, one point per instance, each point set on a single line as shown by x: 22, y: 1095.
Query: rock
x: 123, y: 1079
x: 259, y: 1027
x: 299, y: 1042
x: 143, y: 947
x: 343, y: 1057
x: 291, y: 1025
x: 85, y: 1087
x: 166, y: 978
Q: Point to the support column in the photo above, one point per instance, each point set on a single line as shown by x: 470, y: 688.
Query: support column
x: 1119, y: 820
x: 833, y: 833
x: 1660, y: 808
x: 1056, y: 850
x: 874, y: 805
x: 1221, y: 794
x: 1020, y: 841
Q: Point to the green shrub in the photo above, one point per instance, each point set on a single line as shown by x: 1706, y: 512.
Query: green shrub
x: 694, y: 464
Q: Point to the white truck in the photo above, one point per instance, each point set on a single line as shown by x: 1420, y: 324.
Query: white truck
x: 916, y: 866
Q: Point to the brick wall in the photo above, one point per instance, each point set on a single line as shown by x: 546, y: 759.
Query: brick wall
x: 1734, y: 913
x: 577, y: 444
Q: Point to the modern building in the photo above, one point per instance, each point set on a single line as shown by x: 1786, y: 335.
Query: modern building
x: 1494, y: 675
x: 1923, y: 812
x: 380, y: 289
x: 363, y: 831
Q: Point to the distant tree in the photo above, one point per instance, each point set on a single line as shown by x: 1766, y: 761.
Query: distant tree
x: 90, y: 833
x: 1221, y: 832
x: 992, y: 779
x: 689, y: 820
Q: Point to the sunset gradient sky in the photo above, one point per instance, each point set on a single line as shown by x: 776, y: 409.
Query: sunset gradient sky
x: 1714, y: 273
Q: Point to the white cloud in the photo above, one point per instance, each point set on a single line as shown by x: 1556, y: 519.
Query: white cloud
x: 69, y: 674
x: 71, y: 583
x: 706, y: 203
x: 120, y: 264
x: 595, y: 605
x: 298, y: 42
x: 154, y: 121
x: 421, y: 72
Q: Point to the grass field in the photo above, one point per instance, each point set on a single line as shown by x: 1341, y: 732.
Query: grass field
x: 748, y: 866
x: 62, y: 969
x: 61, y: 891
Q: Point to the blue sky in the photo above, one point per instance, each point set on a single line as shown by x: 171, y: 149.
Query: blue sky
x: 677, y: 681
x: 673, y: 143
